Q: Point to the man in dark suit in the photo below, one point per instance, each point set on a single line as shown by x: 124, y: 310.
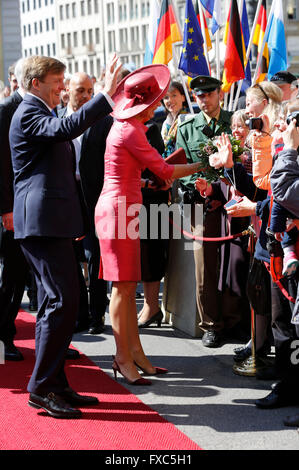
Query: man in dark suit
x: 48, y: 215
x: 89, y: 149
x: 14, y: 266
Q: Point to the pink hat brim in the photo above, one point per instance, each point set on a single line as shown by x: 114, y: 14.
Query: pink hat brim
x: 162, y: 76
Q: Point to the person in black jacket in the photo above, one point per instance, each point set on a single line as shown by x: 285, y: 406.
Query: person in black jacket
x: 14, y: 266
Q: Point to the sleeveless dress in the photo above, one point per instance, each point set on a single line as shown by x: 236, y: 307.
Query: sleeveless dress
x: 127, y: 154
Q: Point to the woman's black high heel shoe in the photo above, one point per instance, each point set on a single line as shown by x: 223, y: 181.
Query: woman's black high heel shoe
x: 141, y: 381
x: 157, y: 318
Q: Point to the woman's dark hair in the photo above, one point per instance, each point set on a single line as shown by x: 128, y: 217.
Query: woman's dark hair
x: 178, y: 86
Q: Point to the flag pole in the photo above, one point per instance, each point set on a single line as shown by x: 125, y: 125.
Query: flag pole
x: 264, y: 43
x: 217, y: 54
x: 203, y: 32
x: 249, y: 49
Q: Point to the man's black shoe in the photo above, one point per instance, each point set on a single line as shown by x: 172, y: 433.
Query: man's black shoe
x: 96, y: 330
x: 54, y: 405
x: 72, y: 354
x: 276, y: 399
x: 211, y: 339
x: 73, y: 398
x: 11, y: 353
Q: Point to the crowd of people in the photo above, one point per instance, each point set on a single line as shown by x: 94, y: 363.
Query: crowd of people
x: 79, y: 152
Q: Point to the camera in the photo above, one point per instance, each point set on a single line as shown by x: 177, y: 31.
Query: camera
x: 255, y: 123
x: 294, y: 115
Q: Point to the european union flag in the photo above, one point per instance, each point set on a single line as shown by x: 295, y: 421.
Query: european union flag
x: 192, y: 61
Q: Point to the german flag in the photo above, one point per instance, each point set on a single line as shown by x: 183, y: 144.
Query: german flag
x: 168, y: 33
x: 208, y: 37
x: 235, y: 48
x: 258, y: 38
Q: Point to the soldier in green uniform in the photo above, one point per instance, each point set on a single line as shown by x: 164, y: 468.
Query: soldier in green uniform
x: 192, y: 131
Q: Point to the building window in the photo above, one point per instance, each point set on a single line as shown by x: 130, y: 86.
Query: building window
x: 48, y: 50
x: 24, y: 30
x: 82, y: 8
x: 40, y: 26
x: 97, y: 33
x: 67, y: 11
x: 111, y: 41
x: 35, y: 27
x: 90, y: 36
x: 96, y: 6
x: 76, y: 66
x: 292, y: 10
x: 89, y: 7
x: 61, y: 12
x: 54, y: 48
x: 75, y: 39
x: 62, y: 38
x: 74, y: 12
x: 53, y: 22
x: 110, y: 13
x: 91, y: 67
x: 84, y: 66
x: 83, y: 38
x: 47, y: 24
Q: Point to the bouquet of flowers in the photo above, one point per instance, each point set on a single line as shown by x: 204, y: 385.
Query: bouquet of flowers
x: 209, y: 147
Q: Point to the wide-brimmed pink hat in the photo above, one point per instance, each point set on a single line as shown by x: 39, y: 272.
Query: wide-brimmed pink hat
x: 140, y: 90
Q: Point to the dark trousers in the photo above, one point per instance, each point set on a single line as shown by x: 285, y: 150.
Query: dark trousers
x: 285, y: 333
x: 53, y: 262
x: 97, y: 287
x: 12, y: 284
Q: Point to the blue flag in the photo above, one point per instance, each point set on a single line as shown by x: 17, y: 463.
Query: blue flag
x: 277, y: 41
x: 246, y: 35
x: 193, y: 61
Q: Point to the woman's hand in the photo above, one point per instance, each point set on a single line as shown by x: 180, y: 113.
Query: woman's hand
x: 203, y: 187
x: 224, y: 156
x: 167, y: 184
x: 245, y: 208
x: 291, y: 136
x: 7, y: 221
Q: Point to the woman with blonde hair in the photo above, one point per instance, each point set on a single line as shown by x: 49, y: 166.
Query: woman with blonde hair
x: 264, y: 98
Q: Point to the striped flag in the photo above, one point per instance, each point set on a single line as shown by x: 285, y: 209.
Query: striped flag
x: 168, y: 32
x: 235, y: 48
x: 258, y: 39
x: 192, y: 61
x: 208, y: 37
x: 152, y: 32
x: 277, y: 41
x: 213, y: 10
x: 246, y: 35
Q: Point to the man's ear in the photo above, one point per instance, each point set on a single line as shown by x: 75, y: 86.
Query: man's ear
x: 221, y: 94
x: 35, y: 83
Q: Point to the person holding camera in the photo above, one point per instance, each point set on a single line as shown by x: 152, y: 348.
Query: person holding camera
x: 284, y: 178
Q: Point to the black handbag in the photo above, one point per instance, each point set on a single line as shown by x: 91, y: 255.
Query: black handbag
x: 259, y: 288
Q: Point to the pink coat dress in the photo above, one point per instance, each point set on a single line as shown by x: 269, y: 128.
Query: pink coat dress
x: 127, y: 154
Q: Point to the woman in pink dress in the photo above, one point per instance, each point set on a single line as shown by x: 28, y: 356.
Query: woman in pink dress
x: 128, y: 153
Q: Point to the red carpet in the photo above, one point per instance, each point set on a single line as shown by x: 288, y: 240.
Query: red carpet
x: 120, y: 422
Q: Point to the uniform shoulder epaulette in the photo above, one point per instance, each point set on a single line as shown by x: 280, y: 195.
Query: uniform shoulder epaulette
x: 183, y: 118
